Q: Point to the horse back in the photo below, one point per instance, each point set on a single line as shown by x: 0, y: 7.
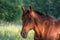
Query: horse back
x: 54, y: 31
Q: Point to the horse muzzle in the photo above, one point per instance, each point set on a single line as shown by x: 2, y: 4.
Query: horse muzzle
x: 24, y: 34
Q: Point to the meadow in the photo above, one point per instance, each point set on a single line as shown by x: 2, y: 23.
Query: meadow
x: 12, y: 32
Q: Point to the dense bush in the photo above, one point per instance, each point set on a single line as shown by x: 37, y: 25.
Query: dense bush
x: 49, y: 7
x: 10, y: 10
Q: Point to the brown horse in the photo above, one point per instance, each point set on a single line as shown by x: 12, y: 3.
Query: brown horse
x: 44, y: 26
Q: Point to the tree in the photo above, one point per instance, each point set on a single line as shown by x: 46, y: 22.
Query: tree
x: 10, y: 9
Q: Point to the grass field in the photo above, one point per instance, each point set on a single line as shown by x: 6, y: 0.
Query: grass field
x: 12, y: 32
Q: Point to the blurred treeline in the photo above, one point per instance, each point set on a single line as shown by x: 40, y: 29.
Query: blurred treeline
x: 10, y: 10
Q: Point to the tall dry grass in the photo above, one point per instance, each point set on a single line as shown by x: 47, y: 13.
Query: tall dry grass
x: 9, y: 31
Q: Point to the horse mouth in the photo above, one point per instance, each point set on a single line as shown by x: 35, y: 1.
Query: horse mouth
x: 24, y: 34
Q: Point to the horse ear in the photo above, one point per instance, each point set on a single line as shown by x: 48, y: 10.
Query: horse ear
x: 30, y: 8
x: 23, y: 9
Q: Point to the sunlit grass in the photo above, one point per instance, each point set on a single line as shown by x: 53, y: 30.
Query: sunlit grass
x: 12, y: 32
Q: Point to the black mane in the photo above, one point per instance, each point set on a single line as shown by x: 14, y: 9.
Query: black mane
x: 37, y: 12
x: 40, y: 13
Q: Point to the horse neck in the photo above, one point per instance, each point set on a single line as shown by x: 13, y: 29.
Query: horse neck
x: 40, y: 26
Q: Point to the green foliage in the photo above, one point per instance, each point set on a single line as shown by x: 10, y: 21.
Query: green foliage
x: 10, y: 9
x: 50, y: 7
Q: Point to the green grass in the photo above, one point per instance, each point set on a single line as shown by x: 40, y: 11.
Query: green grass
x: 12, y: 32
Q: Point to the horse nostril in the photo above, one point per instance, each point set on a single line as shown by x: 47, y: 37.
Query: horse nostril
x: 24, y: 33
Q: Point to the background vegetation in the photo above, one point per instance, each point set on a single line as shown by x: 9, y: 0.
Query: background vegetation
x: 13, y: 32
x: 10, y: 10
x: 10, y: 16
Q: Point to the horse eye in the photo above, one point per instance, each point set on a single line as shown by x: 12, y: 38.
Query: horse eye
x: 29, y: 19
